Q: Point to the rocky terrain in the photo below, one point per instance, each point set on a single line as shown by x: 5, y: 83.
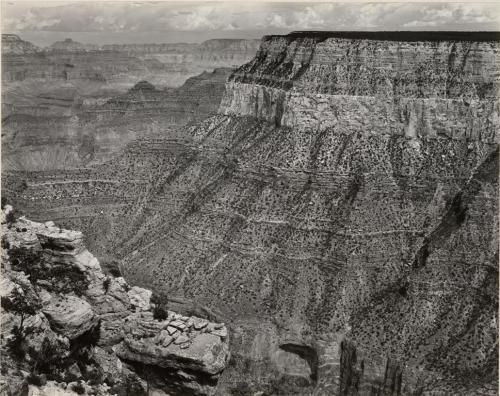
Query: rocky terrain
x: 339, y: 213
x: 68, y: 328
x: 72, y: 104
x: 60, y: 130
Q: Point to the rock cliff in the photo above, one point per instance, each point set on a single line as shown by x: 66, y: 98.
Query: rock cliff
x: 65, y: 321
x: 340, y: 213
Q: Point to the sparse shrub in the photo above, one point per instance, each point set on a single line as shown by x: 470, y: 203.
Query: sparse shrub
x: 48, y: 358
x: 241, y: 389
x: 160, y: 308
x: 112, y: 268
x: 160, y: 313
x: 36, y: 379
x: 78, y: 388
x: 11, y: 218
x: 16, y: 344
x: 22, y: 306
x: 133, y: 386
x: 106, y: 284
x: 63, y: 279
x: 26, y: 260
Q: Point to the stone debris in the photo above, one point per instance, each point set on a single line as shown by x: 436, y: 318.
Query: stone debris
x: 181, y: 339
x: 172, y: 330
x: 178, y: 324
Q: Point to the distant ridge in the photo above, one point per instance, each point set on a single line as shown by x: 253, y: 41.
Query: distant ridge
x: 396, y: 35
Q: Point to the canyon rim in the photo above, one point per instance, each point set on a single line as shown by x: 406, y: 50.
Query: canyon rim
x: 249, y: 199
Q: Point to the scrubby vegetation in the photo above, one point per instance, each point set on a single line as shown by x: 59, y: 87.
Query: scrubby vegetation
x: 160, y: 308
x: 56, y: 278
x: 19, y: 304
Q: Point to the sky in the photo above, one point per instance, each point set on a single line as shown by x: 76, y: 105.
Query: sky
x: 108, y: 22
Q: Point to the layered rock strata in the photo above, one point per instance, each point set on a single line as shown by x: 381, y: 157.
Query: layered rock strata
x: 75, y: 133
x: 51, y: 267
x: 340, y: 213
x: 119, y: 66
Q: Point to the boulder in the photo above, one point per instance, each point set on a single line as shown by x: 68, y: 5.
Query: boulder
x: 140, y: 298
x: 206, y: 353
x: 70, y: 316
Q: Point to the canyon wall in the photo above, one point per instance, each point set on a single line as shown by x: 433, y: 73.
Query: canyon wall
x: 59, y: 130
x: 119, y: 67
x: 340, y: 213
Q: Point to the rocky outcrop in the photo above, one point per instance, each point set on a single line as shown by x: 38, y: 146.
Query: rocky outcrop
x: 69, y: 45
x: 340, y: 213
x: 69, y: 306
x: 295, y: 82
x: 70, y: 316
x: 12, y: 44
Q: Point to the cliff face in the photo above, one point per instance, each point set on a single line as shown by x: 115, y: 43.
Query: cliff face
x: 64, y: 320
x: 311, y: 82
x: 340, y: 213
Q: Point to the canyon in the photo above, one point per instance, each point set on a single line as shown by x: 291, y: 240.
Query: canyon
x: 71, y: 105
x: 339, y: 213
x: 51, y: 133
x: 118, y: 67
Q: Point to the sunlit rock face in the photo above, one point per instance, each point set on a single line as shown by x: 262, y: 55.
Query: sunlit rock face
x: 340, y: 213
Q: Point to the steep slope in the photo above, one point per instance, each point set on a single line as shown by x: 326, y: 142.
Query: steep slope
x: 340, y: 213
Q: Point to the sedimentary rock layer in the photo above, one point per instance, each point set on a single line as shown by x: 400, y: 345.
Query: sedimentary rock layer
x: 73, y: 133
x: 340, y: 213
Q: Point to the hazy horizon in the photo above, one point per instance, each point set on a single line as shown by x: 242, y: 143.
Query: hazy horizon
x: 194, y: 22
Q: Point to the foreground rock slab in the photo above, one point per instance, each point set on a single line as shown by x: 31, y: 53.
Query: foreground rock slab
x: 66, y: 321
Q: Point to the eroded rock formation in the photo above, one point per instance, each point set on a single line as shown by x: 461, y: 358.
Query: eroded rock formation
x: 64, y: 320
x: 13, y: 44
x: 340, y: 213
